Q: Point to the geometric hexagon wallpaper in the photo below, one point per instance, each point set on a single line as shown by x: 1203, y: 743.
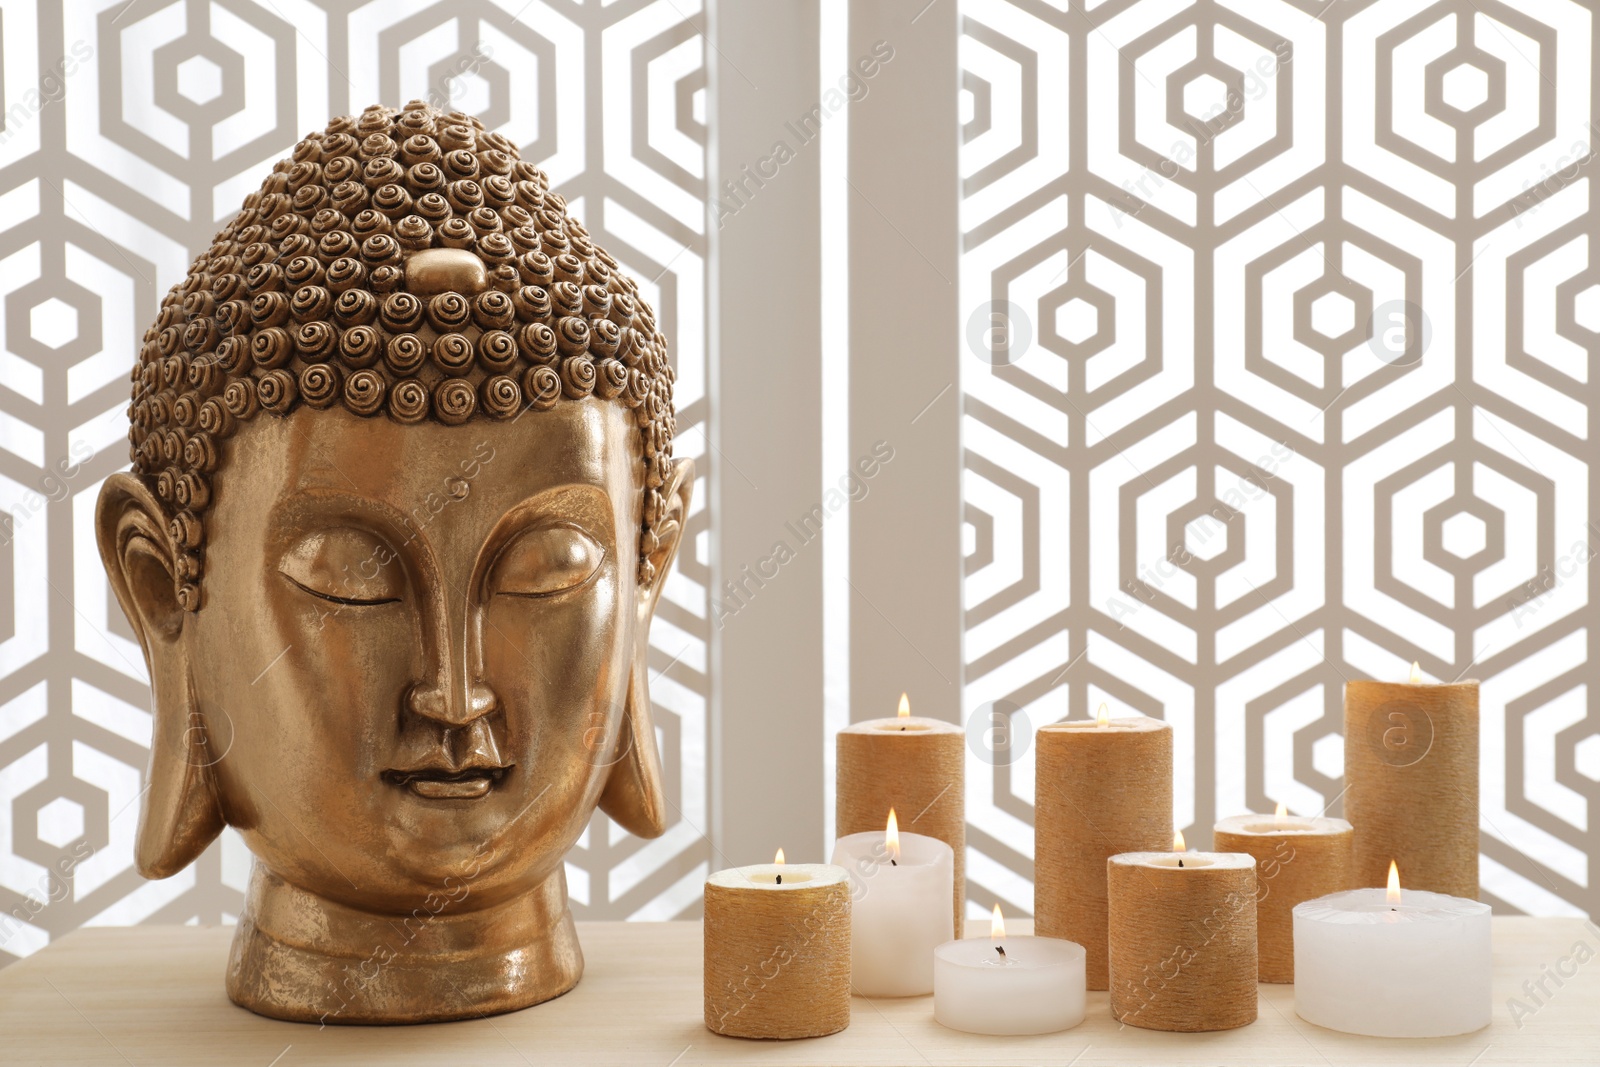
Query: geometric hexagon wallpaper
x: 1289, y: 317
x: 1280, y: 325
x: 131, y: 132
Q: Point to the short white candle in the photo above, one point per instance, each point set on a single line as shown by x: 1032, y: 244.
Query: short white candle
x: 900, y: 911
x: 1367, y: 964
x: 1008, y: 985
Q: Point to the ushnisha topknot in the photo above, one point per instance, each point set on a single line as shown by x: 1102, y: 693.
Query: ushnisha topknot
x: 309, y: 297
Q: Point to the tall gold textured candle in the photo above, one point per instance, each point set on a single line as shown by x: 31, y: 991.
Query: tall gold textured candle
x: 1411, y: 782
x: 1297, y: 859
x: 1101, y: 787
x: 913, y: 765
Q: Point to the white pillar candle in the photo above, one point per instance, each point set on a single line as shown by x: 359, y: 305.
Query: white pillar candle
x: 900, y: 910
x: 1008, y: 985
x: 1417, y: 966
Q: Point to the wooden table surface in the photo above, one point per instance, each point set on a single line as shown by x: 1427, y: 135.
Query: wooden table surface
x: 152, y: 995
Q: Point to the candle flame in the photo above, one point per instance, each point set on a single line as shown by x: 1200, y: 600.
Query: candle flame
x: 1416, y: 673
x: 1393, y: 892
x: 891, y: 837
x: 905, y: 706
x: 1103, y: 717
x: 778, y: 859
x: 997, y: 925
x: 1281, y: 816
x: 1177, y: 842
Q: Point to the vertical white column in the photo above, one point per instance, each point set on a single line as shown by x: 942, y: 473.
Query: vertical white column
x: 834, y: 52
x: 905, y: 534
x: 764, y: 452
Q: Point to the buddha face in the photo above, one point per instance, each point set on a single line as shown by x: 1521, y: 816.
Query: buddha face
x: 416, y: 651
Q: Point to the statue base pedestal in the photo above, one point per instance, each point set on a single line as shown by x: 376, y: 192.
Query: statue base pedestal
x: 299, y: 957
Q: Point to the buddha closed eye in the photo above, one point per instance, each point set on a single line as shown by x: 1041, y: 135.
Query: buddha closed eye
x: 547, y: 560
x: 348, y: 565
x: 345, y: 565
x: 402, y: 504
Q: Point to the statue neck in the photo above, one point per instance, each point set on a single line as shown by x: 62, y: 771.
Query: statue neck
x: 301, y: 957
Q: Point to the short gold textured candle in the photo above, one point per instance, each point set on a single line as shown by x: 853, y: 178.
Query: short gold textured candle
x: 913, y: 765
x: 1411, y: 782
x: 1183, y: 940
x: 1297, y: 859
x: 777, y: 950
x: 1101, y: 786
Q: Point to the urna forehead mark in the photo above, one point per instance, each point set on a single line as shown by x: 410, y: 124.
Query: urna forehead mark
x: 430, y: 271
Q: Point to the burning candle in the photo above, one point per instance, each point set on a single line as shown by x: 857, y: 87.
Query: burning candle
x: 1101, y: 787
x: 900, y: 884
x: 915, y: 765
x: 1182, y: 939
x: 1386, y: 964
x: 777, y: 950
x: 1411, y: 747
x: 1297, y: 859
x: 1008, y: 985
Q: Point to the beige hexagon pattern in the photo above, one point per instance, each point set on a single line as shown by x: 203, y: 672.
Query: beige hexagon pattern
x: 1288, y: 323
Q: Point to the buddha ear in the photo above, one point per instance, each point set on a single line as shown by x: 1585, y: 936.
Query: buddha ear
x: 180, y: 815
x: 633, y: 794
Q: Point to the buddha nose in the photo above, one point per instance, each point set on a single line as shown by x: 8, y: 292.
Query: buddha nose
x: 439, y: 703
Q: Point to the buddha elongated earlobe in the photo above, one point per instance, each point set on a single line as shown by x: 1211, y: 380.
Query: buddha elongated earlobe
x: 180, y: 815
x: 633, y: 795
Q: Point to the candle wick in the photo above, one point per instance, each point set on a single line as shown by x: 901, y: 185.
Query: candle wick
x: 894, y: 863
x: 1180, y: 863
x: 780, y: 879
x: 1002, y: 950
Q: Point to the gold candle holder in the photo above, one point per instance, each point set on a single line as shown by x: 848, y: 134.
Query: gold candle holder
x: 1296, y: 860
x: 1102, y: 787
x: 915, y: 766
x: 1411, y: 783
x: 1183, y: 940
x: 777, y: 951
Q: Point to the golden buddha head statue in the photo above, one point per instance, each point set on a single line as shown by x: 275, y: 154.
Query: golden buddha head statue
x: 402, y: 504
